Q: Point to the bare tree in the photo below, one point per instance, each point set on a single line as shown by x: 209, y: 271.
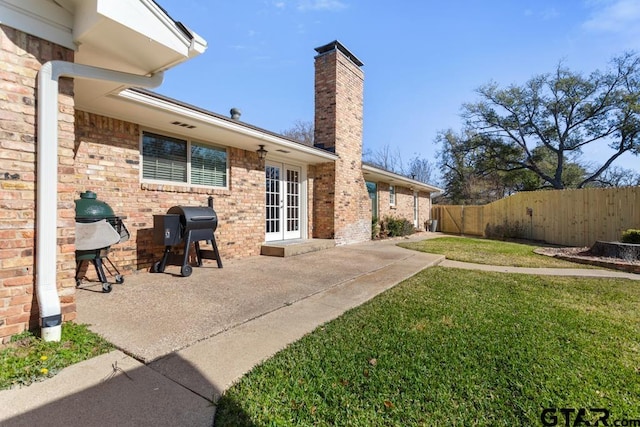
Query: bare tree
x: 301, y: 131
x: 390, y: 159
x: 421, y: 169
x: 617, y: 177
x: 385, y: 158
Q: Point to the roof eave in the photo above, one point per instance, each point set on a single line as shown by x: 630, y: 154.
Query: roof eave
x: 392, y: 177
x: 238, y: 134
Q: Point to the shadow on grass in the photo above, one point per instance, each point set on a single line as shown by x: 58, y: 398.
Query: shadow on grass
x: 229, y: 413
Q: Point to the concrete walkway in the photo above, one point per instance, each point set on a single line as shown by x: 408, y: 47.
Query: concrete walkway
x: 575, y: 272
x: 191, y: 338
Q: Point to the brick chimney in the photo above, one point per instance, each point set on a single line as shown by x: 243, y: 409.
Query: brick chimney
x: 342, y: 208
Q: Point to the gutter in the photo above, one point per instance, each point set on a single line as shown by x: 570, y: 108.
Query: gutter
x: 47, y: 178
x: 196, y: 44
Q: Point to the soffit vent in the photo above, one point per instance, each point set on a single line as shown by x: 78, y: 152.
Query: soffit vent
x: 183, y: 125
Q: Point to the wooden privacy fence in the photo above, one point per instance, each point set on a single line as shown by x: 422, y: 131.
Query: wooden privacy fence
x: 562, y: 217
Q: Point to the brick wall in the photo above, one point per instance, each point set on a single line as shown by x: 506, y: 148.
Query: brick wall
x: 338, y: 125
x: 323, y: 202
x: 108, y: 162
x: 424, y: 210
x: 309, y: 201
x: 404, y: 204
x: 21, y: 56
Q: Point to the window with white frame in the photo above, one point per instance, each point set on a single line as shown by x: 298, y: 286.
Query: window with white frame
x: 372, y: 189
x: 166, y: 158
x: 392, y: 195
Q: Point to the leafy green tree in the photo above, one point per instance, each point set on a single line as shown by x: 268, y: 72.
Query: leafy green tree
x: 472, y: 174
x: 467, y: 177
x: 526, y: 180
x: 543, y: 125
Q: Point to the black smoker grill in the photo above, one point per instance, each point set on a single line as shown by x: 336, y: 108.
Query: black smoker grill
x: 97, y: 228
x: 186, y: 224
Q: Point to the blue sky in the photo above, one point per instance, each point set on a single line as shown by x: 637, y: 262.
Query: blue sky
x: 422, y: 58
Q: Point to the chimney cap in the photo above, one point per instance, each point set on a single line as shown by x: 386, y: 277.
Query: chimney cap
x: 336, y: 45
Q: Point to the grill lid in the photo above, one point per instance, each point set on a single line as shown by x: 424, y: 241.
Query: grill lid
x: 195, y: 217
x: 88, y: 207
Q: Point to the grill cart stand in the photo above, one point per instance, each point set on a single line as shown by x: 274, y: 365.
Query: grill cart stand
x: 188, y: 224
x: 97, y: 228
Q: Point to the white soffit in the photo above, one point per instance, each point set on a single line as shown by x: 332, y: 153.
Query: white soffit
x: 159, y: 114
x: 134, y: 36
x: 41, y: 18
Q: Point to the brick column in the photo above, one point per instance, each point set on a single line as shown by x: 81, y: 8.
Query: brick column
x: 342, y: 209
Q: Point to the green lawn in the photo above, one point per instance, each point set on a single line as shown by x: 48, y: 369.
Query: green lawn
x: 484, y: 251
x: 456, y: 348
x: 28, y: 359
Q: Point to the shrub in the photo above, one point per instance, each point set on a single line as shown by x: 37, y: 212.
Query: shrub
x: 631, y: 236
x: 506, y: 230
x: 375, y: 229
x: 394, y: 227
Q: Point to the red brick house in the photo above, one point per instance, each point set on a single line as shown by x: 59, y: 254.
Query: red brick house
x: 76, y: 114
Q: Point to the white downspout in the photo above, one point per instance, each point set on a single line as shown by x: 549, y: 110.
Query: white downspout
x: 47, y: 178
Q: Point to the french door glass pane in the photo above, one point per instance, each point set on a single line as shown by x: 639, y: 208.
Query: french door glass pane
x: 293, y: 200
x: 272, y: 175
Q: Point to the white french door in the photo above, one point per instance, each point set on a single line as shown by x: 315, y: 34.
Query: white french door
x: 282, y: 201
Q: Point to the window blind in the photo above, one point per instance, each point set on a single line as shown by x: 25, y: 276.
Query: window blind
x: 208, y: 166
x: 164, y: 158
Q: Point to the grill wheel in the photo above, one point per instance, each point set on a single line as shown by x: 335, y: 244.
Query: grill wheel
x: 186, y: 270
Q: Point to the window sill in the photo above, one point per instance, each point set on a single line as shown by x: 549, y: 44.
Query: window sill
x: 177, y: 188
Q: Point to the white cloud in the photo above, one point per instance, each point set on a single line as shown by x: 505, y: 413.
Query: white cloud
x: 618, y: 16
x: 546, y: 14
x: 329, y: 5
x: 550, y: 13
